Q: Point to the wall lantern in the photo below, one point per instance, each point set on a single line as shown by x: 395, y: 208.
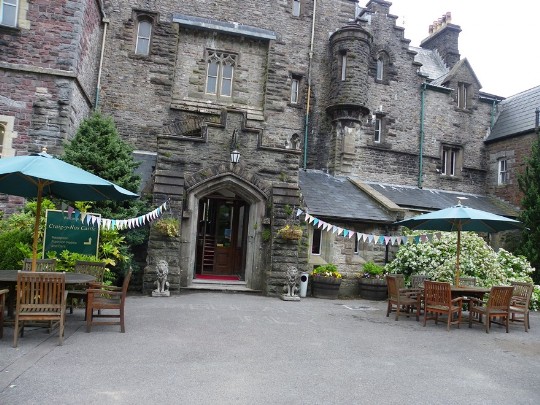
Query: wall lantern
x: 235, y: 155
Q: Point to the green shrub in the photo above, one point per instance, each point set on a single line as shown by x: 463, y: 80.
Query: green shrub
x: 11, y: 242
x: 372, y: 270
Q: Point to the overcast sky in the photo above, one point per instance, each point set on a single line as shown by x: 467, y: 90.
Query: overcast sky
x: 499, y: 39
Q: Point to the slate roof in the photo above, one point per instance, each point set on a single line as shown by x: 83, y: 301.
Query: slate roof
x: 327, y: 196
x: 432, y: 200
x: 432, y: 64
x: 336, y: 197
x: 517, y: 115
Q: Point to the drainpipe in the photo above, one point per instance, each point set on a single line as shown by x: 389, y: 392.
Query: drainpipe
x: 492, y: 114
x: 306, y: 123
x: 102, y: 51
x: 421, y: 151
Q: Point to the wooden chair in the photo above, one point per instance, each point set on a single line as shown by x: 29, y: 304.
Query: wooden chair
x: 96, y: 269
x: 3, y: 294
x: 467, y: 281
x: 519, y: 305
x: 497, y: 306
x: 41, y: 265
x: 417, y: 280
x: 41, y: 296
x: 438, y: 301
x: 102, y: 298
x: 403, y: 299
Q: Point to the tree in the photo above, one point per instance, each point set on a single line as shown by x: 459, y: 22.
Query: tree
x: 529, y: 184
x: 98, y: 148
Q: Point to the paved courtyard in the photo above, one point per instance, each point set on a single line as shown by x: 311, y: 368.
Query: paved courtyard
x: 229, y: 348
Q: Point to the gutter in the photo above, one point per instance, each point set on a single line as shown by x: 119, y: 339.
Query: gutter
x: 100, y: 69
x: 306, y: 123
x: 421, y: 141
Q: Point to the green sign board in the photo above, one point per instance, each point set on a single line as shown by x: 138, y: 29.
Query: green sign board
x: 71, y: 234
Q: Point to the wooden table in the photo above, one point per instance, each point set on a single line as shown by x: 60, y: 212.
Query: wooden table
x: 469, y: 291
x: 8, y: 279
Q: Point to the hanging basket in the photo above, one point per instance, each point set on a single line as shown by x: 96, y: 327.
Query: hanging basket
x: 290, y: 232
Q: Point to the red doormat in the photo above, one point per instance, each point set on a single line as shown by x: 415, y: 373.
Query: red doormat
x: 216, y: 277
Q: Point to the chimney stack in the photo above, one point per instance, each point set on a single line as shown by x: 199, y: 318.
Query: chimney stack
x: 443, y: 37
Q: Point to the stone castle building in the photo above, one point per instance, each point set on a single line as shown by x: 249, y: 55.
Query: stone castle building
x: 331, y: 109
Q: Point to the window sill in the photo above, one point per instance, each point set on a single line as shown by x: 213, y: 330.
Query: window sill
x: 10, y: 29
x: 452, y: 178
x: 133, y: 55
x: 379, y: 145
x: 295, y: 105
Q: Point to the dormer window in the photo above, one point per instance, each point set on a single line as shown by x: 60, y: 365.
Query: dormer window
x: 463, y: 96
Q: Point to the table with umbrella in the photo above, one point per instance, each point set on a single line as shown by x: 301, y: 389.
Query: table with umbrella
x: 461, y: 218
x: 41, y: 175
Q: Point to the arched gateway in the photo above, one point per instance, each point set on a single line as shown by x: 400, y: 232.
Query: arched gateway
x: 220, y: 235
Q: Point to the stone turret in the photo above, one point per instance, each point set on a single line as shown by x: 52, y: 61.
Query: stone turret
x: 350, y: 50
x: 443, y: 37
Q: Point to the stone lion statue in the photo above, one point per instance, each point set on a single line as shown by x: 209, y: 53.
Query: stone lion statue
x: 162, y: 284
x: 292, y: 281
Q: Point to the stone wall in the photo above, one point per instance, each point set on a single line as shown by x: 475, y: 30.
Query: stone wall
x: 48, y: 70
x: 515, y: 152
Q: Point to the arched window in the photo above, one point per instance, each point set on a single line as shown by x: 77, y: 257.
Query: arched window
x: 144, y: 35
x: 220, y: 73
x: 380, y: 68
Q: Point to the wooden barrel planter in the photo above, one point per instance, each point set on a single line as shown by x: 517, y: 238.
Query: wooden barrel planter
x: 325, y: 287
x: 373, y: 289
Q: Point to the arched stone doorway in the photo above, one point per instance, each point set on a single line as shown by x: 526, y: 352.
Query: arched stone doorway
x: 223, y: 229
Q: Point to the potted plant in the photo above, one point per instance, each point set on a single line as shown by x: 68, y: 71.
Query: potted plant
x: 373, y: 282
x: 326, y: 280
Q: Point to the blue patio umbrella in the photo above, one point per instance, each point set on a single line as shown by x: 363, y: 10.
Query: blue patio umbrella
x: 41, y: 175
x: 461, y: 218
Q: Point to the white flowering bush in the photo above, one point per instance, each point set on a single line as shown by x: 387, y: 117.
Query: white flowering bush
x: 437, y: 259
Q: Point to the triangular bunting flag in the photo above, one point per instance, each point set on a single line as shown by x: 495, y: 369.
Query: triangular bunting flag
x: 299, y: 212
x: 351, y: 233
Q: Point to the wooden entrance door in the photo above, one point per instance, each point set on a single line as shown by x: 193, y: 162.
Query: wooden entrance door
x: 222, y: 236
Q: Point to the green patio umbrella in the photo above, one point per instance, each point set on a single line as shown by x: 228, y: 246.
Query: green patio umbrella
x: 460, y: 218
x: 41, y: 175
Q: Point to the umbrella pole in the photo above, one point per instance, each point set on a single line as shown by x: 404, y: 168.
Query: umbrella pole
x: 36, y: 225
x: 456, y: 281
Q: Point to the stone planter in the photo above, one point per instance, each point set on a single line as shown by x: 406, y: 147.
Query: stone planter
x: 373, y: 289
x: 325, y: 287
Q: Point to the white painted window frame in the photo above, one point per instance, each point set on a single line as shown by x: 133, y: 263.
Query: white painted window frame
x: 9, y: 3
x: 503, y: 172
x: 142, y: 37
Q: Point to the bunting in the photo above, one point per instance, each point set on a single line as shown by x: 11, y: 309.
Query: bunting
x: 369, y: 238
x: 119, y: 224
